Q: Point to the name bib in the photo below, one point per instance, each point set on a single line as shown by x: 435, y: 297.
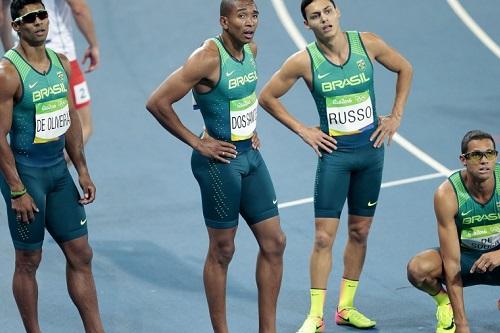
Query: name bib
x: 349, y: 114
x: 481, y: 238
x: 52, y: 120
x: 243, y: 117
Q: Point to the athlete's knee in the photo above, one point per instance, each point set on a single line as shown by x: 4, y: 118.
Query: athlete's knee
x: 222, y: 251
x: 275, y: 246
x: 419, y: 271
x: 80, y: 257
x: 323, y: 240
x: 27, y: 262
x: 359, y: 233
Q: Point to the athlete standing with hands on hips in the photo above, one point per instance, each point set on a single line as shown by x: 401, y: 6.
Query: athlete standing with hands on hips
x: 338, y: 70
x: 231, y: 173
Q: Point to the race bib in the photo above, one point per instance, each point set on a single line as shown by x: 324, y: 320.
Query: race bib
x: 243, y: 117
x: 81, y: 92
x: 52, y: 120
x: 481, y: 238
x: 349, y: 114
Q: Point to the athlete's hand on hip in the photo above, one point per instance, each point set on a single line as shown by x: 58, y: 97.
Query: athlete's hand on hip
x: 315, y: 138
x: 24, y: 207
x: 88, y: 189
x: 218, y: 150
x: 387, y: 127
x: 255, y: 141
x: 486, y: 262
x: 92, y: 54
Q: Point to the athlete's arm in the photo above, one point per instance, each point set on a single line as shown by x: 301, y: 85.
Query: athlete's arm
x: 255, y: 137
x: 24, y: 206
x: 74, y: 147
x: 294, y: 68
x: 83, y: 18
x: 392, y: 60
x: 199, y: 67
x: 446, y: 207
x: 5, y: 26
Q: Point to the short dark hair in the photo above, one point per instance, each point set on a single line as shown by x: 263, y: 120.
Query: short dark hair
x: 226, y: 5
x: 17, y: 5
x: 306, y: 3
x: 475, y: 135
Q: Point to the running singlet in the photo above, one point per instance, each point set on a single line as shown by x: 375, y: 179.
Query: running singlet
x: 60, y: 37
x: 478, y: 225
x: 344, y: 94
x: 229, y: 110
x: 41, y: 117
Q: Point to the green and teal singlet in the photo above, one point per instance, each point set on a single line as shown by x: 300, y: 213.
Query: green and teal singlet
x: 478, y: 225
x: 41, y: 116
x: 229, y: 110
x: 344, y: 94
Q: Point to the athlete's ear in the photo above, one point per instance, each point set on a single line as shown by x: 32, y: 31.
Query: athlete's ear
x: 463, y: 160
x: 306, y: 25
x: 223, y: 22
x: 15, y: 26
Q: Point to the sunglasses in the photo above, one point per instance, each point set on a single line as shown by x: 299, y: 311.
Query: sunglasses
x: 476, y: 156
x: 31, y: 16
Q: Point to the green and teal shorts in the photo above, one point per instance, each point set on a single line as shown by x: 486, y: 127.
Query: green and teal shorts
x: 56, y: 197
x: 355, y: 175
x: 243, y: 187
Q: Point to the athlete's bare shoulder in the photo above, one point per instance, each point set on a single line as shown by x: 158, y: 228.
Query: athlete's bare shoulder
x: 205, y: 57
x: 253, y: 47
x: 374, y: 44
x: 9, y: 78
x: 298, y: 64
x: 370, y: 38
x: 445, y: 199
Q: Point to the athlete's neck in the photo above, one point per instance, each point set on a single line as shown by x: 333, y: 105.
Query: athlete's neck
x: 36, y: 56
x: 480, y: 189
x: 336, y: 48
x: 233, y: 46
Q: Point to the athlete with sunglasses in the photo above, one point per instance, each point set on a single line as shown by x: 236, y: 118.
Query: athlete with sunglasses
x: 39, y: 117
x: 60, y: 39
x: 467, y: 207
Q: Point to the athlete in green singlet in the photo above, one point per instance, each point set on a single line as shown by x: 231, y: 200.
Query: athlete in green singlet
x: 39, y: 118
x: 230, y: 171
x: 338, y: 70
x: 467, y: 207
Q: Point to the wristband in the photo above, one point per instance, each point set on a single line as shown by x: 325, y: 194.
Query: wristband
x: 17, y: 194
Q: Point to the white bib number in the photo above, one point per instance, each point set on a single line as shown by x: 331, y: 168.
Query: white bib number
x: 349, y: 114
x: 243, y: 117
x: 52, y: 120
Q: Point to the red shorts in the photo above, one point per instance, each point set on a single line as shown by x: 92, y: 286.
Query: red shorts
x: 78, y: 85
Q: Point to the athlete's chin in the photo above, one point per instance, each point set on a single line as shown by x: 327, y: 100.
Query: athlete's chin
x: 484, y: 174
x: 247, y: 38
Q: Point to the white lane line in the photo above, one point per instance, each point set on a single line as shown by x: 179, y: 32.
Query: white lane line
x: 287, y: 22
x: 421, y: 155
x: 384, y: 185
x: 301, y: 43
x: 474, y: 27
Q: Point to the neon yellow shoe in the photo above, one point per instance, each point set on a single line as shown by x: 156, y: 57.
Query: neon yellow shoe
x: 352, y: 317
x: 444, y: 316
x: 312, y: 325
